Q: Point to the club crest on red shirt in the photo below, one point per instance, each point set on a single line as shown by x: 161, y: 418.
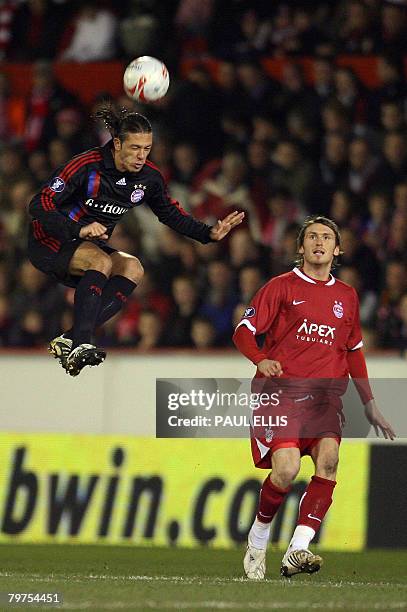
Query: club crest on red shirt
x: 250, y: 312
x: 338, y: 310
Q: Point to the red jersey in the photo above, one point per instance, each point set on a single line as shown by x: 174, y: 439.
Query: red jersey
x: 309, y: 325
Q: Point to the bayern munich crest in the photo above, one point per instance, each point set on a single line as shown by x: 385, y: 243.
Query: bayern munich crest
x: 138, y: 193
x: 338, y: 310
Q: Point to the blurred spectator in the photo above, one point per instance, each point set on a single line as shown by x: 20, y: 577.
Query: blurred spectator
x: 357, y: 34
x: 323, y: 79
x: 220, y: 299
x: 396, y: 246
x: 168, y: 263
x: 335, y: 118
x: 360, y: 256
x: 30, y: 330
x: 291, y: 171
x: 393, y: 168
x: 203, y: 333
x: 258, y: 90
x: 186, y: 302
x: 344, y: 210
x: 243, y: 250
x: 362, y: 167
x: 16, y: 219
x: 250, y: 281
x: 59, y: 153
x: 150, y: 328
x: 38, y: 166
x: 350, y: 94
x: 283, y: 210
x: 34, y: 302
x: 184, y: 172
x: 390, y: 72
x: 70, y: 129
x: 227, y: 191
x: 308, y: 38
x: 295, y: 94
x: 393, y: 27
x: 333, y: 165
x: 93, y: 36
x: 367, y: 299
x: 377, y: 229
x: 388, y: 323
x: 259, y: 168
x: 252, y: 38
x: 284, y: 260
x: 11, y: 170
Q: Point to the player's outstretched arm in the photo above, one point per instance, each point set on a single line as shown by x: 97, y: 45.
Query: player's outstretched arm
x: 223, y: 227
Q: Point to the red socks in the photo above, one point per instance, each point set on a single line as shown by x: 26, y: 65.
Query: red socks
x: 315, y: 502
x: 271, y: 498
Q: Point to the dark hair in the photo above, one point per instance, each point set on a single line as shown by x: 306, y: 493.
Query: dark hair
x: 299, y: 261
x: 120, y: 123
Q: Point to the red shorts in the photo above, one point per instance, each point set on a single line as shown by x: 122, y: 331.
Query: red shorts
x: 307, y: 420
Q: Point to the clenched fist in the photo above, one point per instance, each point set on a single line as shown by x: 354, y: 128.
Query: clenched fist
x: 93, y: 230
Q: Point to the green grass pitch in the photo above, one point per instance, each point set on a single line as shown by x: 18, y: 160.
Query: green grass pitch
x: 126, y: 578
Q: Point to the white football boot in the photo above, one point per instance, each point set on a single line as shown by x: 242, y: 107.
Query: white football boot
x: 60, y: 347
x: 300, y: 562
x: 254, y: 562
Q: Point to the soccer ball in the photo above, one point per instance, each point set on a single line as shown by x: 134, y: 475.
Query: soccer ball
x: 146, y: 79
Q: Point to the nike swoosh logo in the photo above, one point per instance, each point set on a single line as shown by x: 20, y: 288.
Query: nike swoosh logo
x: 314, y: 517
x: 296, y: 303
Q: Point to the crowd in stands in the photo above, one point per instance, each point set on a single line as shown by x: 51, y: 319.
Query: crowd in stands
x: 279, y: 150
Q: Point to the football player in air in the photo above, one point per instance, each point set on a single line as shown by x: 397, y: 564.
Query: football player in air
x: 74, y: 215
x: 313, y: 341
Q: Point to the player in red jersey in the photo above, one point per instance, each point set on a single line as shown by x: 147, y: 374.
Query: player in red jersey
x: 74, y: 215
x: 312, y: 343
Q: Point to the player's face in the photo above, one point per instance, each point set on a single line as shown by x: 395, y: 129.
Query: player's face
x: 131, y: 154
x: 319, y: 246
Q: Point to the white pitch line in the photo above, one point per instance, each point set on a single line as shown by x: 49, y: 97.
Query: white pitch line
x: 204, y: 580
x: 235, y: 605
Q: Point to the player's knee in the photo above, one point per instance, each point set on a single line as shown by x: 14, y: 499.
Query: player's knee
x: 134, y: 270
x: 285, y: 474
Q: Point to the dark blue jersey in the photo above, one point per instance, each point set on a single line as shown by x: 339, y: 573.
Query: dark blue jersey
x: 90, y: 188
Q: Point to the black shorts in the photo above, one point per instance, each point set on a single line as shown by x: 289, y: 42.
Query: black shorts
x: 53, y: 257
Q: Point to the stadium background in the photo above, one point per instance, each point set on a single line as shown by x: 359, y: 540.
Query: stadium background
x: 280, y: 112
